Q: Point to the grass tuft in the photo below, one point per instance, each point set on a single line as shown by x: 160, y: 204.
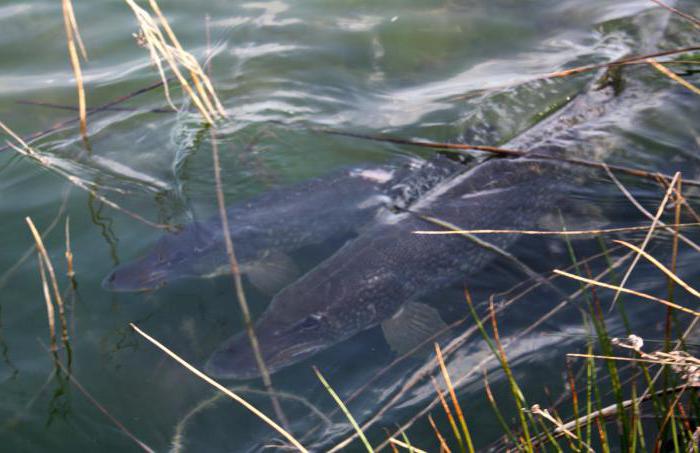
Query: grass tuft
x: 158, y: 37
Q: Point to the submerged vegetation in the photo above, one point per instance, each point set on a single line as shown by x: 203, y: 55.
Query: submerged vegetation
x: 627, y: 394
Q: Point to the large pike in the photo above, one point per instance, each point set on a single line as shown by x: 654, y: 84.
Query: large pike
x: 267, y: 227
x: 381, y: 276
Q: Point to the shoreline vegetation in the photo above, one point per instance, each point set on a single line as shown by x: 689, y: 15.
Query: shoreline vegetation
x: 653, y: 388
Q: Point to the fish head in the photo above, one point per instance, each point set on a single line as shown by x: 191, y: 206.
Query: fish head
x: 279, y: 345
x: 191, y: 252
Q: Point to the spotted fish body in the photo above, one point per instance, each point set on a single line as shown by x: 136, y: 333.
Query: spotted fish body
x: 282, y: 220
x: 370, y: 278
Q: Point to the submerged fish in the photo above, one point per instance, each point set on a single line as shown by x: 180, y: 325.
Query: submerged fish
x: 379, y: 277
x: 268, y: 226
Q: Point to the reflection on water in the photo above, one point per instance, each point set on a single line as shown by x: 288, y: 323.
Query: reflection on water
x: 453, y: 71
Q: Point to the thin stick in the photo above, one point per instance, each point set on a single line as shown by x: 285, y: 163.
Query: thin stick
x: 410, y: 448
x: 49, y: 304
x: 628, y: 291
x: 544, y: 413
x: 103, y: 108
x: 663, y: 268
x: 672, y: 75
x: 204, y: 86
x: 238, y: 283
x: 221, y: 388
x: 453, y: 396
x: 506, y: 152
x: 74, y: 109
x: 448, y: 413
x: 69, y: 253
x: 443, y: 444
x: 54, y: 283
x: 487, y: 245
x: 647, y: 238
x: 622, y: 61
x: 173, y: 53
x: 553, y: 233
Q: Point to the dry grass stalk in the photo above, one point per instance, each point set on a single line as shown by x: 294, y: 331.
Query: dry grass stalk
x: 204, y: 86
x: 633, y: 60
x: 672, y: 75
x: 453, y: 396
x: 169, y: 49
x: 54, y: 283
x: 681, y: 362
x: 622, y: 61
x: 448, y: 413
x: 73, y: 35
x: 238, y: 284
x: 221, y: 388
x: 45, y: 161
x: 648, y: 236
x: 102, y: 108
x: 677, y: 358
x: 653, y: 176
x: 544, y: 413
x: 69, y: 253
x: 527, y: 270
x: 443, y: 444
x: 628, y: 291
x: 408, y: 447
x: 554, y: 233
x: 663, y: 268
x: 49, y: 304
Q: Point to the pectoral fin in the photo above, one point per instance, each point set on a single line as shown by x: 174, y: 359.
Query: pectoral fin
x: 576, y: 216
x: 411, y: 326
x: 272, y: 272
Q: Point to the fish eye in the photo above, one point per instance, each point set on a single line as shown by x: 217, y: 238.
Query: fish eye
x: 310, y: 322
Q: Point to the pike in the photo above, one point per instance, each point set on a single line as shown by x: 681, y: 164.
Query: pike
x: 268, y: 227
x: 380, y: 277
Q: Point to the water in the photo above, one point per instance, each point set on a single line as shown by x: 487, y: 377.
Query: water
x: 441, y: 70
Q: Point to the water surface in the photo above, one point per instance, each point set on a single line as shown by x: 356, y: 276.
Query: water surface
x: 453, y: 70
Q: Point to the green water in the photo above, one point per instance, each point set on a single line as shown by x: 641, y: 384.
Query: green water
x: 452, y: 70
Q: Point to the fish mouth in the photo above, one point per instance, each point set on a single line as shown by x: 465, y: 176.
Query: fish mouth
x: 235, y: 358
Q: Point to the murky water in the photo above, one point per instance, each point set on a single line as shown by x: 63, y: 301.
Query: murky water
x: 452, y: 71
